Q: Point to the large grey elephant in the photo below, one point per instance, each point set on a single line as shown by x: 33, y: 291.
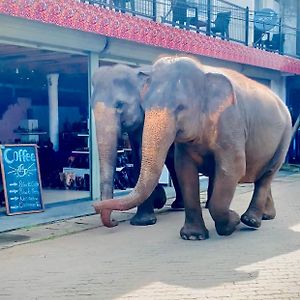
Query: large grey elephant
x: 116, y: 103
x: 219, y: 118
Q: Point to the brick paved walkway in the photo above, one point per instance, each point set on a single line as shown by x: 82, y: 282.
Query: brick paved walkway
x: 154, y: 263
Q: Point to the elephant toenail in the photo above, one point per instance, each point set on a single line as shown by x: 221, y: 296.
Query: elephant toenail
x: 184, y: 237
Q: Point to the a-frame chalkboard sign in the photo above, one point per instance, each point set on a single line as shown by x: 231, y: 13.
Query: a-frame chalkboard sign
x: 21, y: 179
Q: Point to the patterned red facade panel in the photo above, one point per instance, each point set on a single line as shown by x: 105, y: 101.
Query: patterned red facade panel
x: 85, y: 17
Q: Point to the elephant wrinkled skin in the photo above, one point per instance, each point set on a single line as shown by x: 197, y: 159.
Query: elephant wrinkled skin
x: 116, y: 103
x: 216, y: 117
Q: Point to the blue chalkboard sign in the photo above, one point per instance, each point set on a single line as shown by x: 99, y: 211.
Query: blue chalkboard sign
x: 21, y: 179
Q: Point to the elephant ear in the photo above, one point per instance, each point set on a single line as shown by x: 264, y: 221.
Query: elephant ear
x: 219, y: 93
x: 144, y: 76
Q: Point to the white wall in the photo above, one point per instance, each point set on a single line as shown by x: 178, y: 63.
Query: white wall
x: 12, y: 118
x: 289, y: 12
x: 244, y: 3
x: 278, y: 86
x: 259, y: 4
x: 271, y: 4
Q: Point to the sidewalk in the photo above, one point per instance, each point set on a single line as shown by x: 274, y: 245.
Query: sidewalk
x: 65, y: 210
x: 152, y: 262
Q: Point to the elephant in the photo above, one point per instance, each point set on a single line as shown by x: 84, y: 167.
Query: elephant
x: 238, y: 130
x: 116, y: 103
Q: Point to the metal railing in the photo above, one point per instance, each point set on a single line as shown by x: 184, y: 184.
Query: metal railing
x: 218, y: 18
x: 275, y: 37
x: 212, y: 17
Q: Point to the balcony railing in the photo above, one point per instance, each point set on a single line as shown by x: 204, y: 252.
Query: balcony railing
x: 218, y: 18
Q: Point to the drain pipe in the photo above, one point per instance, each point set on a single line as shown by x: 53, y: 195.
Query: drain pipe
x: 295, y: 127
x: 105, y: 47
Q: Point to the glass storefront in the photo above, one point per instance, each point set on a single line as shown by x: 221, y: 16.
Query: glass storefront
x: 44, y: 101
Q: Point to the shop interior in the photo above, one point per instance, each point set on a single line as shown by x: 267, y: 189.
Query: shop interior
x: 27, y: 76
x: 24, y: 116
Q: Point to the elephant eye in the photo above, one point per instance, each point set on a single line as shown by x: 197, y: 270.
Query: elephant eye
x: 119, y: 106
x: 180, y: 108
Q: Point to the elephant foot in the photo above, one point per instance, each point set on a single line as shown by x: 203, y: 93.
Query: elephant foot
x: 143, y: 219
x: 250, y: 219
x: 177, y: 204
x: 268, y: 216
x: 229, y: 226
x: 193, y: 232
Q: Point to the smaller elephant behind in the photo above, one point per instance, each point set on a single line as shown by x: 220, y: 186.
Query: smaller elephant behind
x: 116, y: 103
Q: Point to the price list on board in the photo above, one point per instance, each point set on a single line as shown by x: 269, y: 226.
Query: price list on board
x: 21, y: 178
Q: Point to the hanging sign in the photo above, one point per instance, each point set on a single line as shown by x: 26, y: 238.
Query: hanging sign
x: 21, y: 179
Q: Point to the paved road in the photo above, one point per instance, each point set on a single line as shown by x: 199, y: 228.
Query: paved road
x: 154, y: 263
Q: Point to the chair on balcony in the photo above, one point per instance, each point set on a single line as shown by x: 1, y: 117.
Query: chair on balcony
x: 258, y: 38
x: 222, y: 25
x: 268, y: 41
x: 179, y: 9
x: 276, y: 43
x: 121, y: 5
x: 193, y: 19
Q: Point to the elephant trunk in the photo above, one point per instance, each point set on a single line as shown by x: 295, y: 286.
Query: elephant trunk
x: 158, y: 135
x: 107, y: 131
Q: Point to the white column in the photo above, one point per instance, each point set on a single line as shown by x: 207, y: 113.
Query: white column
x: 52, y: 80
x: 289, y: 11
x: 278, y: 86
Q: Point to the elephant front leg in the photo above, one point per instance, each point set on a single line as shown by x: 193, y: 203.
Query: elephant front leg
x: 226, y: 178
x: 188, y: 178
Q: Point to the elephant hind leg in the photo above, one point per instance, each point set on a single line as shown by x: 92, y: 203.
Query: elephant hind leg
x: 262, y: 205
x: 177, y: 204
x: 145, y: 214
x: 210, y: 189
x: 270, y: 211
x: 159, y: 197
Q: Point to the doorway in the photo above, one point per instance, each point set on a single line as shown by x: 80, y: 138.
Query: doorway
x: 293, y: 102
